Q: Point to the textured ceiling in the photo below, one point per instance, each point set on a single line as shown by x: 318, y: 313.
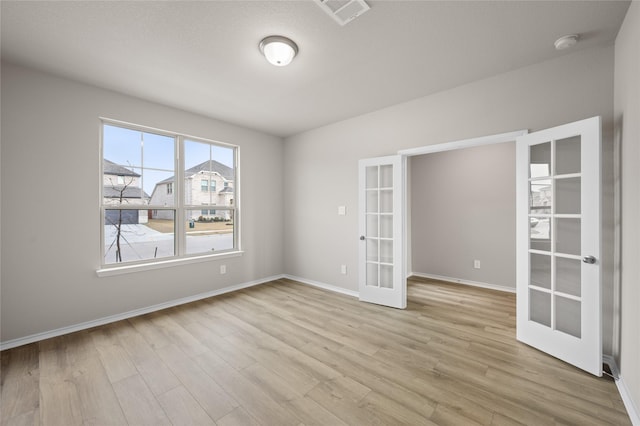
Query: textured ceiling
x: 203, y: 56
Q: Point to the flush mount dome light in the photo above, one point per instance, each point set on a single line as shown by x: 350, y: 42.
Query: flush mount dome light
x: 278, y: 50
x: 566, y: 42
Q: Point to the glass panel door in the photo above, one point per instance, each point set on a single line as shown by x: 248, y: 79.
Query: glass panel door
x: 381, y: 272
x: 379, y: 214
x: 558, y: 242
x: 554, y: 237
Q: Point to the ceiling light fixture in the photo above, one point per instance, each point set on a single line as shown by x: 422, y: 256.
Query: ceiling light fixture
x: 566, y: 42
x: 278, y: 50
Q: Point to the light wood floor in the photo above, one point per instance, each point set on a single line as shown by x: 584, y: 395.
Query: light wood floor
x: 288, y: 354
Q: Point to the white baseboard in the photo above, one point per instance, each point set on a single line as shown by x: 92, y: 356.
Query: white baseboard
x: 324, y: 286
x: 136, y: 312
x: 632, y: 409
x: 466, y: 282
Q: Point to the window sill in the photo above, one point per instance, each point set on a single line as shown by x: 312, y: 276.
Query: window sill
x: 120, y: 270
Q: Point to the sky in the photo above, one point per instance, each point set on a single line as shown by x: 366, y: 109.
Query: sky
x: 152, y: 155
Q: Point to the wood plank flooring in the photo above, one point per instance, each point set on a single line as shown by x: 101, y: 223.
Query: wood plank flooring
x: 284, y: 353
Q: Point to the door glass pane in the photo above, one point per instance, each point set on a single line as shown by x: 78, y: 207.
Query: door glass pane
x: 372, y: 274
x: 386, y: 226
x: 540, y: 197
x: 540, y: 233
x: 568, y: 196
x: 371, y: 177
x: 540, y: 307
x: 372, y: 250
x: 372, y: 225
x: 386, y: 176
x: 540, y: 270
x: 568, y: 276
x: 540, y: 160
x: 386, y: 201
x: 568, y: 155
x: 386, y: 276
x: 372, y: 201
x: 568, y: 236
x: 386, y: 251
x: 568, y: 316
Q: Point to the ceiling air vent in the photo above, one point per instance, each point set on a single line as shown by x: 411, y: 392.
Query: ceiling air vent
x: 343, y: 11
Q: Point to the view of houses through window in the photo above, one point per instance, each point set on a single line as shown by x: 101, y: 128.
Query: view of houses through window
x: 153, y: 205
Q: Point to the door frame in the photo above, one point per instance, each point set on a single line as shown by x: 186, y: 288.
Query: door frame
x: 430, y: 149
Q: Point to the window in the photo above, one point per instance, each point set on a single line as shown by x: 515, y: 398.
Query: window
x: 226, y: 184
x: 120, y: 180
x: 142, y: 221
x: 213, y: 185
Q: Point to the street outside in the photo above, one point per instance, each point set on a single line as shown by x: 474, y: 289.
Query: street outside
x: 140, y: 242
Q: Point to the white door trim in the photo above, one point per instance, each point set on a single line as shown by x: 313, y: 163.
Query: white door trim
x: 464, y: 143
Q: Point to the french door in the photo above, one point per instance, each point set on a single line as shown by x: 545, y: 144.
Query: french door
x: 558, y: 242
x: 381, y: 262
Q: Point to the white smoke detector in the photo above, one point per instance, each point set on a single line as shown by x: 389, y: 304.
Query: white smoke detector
x: 566, y: 42
x: 343, y: 11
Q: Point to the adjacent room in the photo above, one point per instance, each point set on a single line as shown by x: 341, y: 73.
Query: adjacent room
x: 320, y: 212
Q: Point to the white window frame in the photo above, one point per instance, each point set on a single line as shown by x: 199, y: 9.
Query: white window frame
x: 180, y: 208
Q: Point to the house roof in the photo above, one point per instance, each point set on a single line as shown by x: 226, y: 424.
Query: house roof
x: 129, y: 192
x: 226, y: 190
x: 210, y: 165
x: 111, y: 168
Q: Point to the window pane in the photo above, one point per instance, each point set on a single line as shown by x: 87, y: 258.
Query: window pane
x: 568, y: 155
x: 122, y: 146
x: 209, y: 230
x: 371, y: 177
x: 158, y: 151
x: 540, y: 197
x: 204, y: 163
x: 568, y: 316
x: 568, y: 196
x: 135, y: 165
x: 568, y: 276
x: 162, y: 191
x: 540, y: 274
x: 142, y: 178
x: 540, y: 307
x: 540, y: 233
x: 568, y: 236
x: 540, y: 160
x: 130, y: 235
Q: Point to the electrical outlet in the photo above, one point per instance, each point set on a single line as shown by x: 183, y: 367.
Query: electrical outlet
x: 342, y: 210
x: 476, y: 264
x: 343, y: 269
x: 223, y: 269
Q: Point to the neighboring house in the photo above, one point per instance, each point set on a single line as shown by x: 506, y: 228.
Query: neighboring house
x: 121, y: 185
x: 208, y: 184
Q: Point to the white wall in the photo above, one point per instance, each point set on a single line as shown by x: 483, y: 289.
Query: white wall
x: 322, y: 164
x: 51, y: 244
x: 463, y: 208
x: 627, y: 120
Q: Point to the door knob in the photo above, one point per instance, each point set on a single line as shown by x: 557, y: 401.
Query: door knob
x: 589, y: 259
x: 361, y: 237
